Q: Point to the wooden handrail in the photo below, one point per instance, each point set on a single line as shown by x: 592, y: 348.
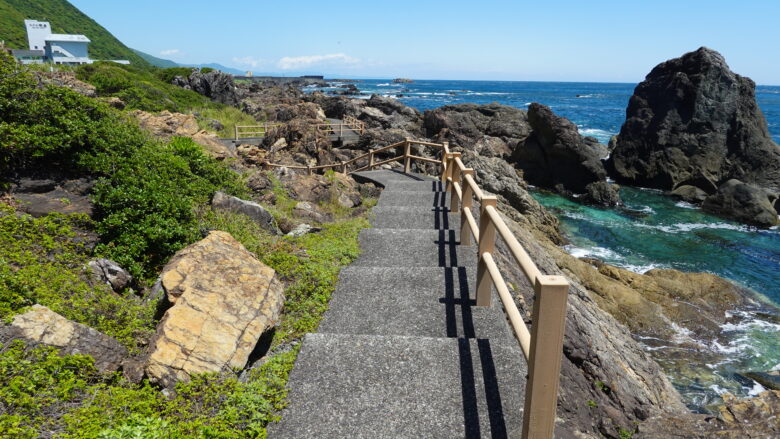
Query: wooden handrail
x: 542, y: 346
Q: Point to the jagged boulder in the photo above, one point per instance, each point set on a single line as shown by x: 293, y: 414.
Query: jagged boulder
x: 742, y: 202
x: 216, y: 85
x: 251, y: 209
x: 110, y: 273
x: 602, y: 193
x: 491, y: 130
x: 693, y: 121
x: 223, y: 299
x: 44, y: 326
x: 555, y: 153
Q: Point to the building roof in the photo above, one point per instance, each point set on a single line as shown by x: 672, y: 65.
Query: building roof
x: 65, y: 37
x: 24, y: 52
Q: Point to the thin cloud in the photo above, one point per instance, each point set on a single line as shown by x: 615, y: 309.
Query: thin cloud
x: 301, y: 62
x: 170, y: 52
x: 248, y: 61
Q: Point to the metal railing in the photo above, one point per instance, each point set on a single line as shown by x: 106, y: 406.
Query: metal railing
x: 542, y: 345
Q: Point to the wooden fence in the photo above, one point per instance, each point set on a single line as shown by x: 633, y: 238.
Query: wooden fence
x: 542, y: 345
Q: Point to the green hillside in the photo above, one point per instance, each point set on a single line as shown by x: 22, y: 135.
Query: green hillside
x: 157, y: 62
x: 64, y: 18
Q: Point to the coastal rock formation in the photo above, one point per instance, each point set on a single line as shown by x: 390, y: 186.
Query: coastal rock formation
x: 216, y: 85
x: 165, y: 125
x: 254, y: 211
x: 490, y: 130
x: 39, y: 197
x: 68, y: 80
x: 694, y: 122
x: 223, y: 299
x: 555, y: 153
x: 44, y: 326
x: 743, y: 202
x: 602, y: 193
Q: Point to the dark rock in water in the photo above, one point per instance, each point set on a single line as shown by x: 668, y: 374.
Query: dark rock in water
x: 216, y: 85
x: 693, y: 121
x: 770, y: 380
x: 555, y: 153
x: 690, y: 194
x: 743, y: 202
x: 603, y: 194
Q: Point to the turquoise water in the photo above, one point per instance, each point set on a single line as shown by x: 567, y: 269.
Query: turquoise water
x: 655, y: 231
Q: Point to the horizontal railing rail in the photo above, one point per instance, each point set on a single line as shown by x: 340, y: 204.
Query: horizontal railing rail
x: 542, y: 345
x: 244, y: 131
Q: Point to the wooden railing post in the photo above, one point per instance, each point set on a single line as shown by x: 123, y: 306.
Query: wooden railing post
x: 468, y: 195
x: 344, y: 167
x: 487, y: 244
x: 236, y: 127
x: 407, y: 153
x: 444, y: 164
x: 455, y: 178
x: 370, y: 160
x: 308, y: 170
x: 544, y: 363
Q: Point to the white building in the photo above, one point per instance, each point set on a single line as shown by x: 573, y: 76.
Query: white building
x: 57, y: 48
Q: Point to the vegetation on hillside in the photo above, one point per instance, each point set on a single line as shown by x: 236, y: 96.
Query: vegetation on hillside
x: 64, y: 18
x: 151, y: 199
x: 155, y: 61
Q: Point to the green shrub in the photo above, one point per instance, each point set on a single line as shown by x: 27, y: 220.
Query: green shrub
x: 167, y: 75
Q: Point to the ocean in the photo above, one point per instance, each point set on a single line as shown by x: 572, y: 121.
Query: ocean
x: 672, y: 234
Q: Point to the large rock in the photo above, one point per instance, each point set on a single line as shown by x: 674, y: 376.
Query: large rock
x: 223, y: 299
x: 44, y: 326
x: 44, y: 196
x: 490, y: 130
x: 216, y: 85
x: 555, y: 153
x: 251, y: 209
x: 742, y: 202
x: 602, y: 193
x: 165, y: 125
x: 693, y: 121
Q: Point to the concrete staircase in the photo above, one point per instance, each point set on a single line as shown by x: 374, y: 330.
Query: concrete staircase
x: 403, y: 352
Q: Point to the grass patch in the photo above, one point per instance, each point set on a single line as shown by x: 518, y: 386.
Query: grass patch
x: 42, y: 261
x: 229, y: 117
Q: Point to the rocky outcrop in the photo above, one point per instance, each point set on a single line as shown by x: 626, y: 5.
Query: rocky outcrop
x: 743, y: 202
x: 216, y: 85
x: 44, y: 326
x: 165, y: 125
x: 694, y: 122
x: 603, y: 194
x: 254, y: 211
x: 39, y: 197
x: 223, y: 299
x: 490, y: 130
x: 751, y: 418
x: 110, y: 273
x: 67, y: 80
x: 555, y: 153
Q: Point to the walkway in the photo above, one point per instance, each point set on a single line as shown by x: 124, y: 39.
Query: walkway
x: 403, y: 352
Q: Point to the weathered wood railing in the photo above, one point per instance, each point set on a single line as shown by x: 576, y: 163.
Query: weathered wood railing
x: 542, y: 346
x: 349, y: 123
x: 244, y: 131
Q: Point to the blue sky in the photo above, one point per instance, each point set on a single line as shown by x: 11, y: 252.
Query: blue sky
x: 563, y: 40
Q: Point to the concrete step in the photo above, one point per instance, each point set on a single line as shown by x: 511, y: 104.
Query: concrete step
x: 384, y: 176
x: 358, y: 386
x: 403, y: 217
x: 414, y: 186
x: 413, y: 248
x: 429, y: 302
x: 413, y: 199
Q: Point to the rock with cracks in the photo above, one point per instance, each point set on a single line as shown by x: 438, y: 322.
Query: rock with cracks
x: 251, y: 209
x: 223, y: 299
x: 44, y: 326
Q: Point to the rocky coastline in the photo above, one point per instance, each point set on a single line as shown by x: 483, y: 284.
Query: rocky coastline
x: 613, y: 383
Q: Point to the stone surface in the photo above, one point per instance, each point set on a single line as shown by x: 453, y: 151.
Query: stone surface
x: 555, y: 153
x: 693, y: 121
x: 216, y: 85
x: 68, y: 80
x: 165, y: 125
x: 223, y: 299
x: 251, y: 209
x: 42, y: 325
x: 742, y: 202
x: 689, y: 193
x: 602, y: 193
x: 110, y: 273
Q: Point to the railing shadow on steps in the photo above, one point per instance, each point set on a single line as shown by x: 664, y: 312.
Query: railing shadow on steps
x: 542, y: 346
